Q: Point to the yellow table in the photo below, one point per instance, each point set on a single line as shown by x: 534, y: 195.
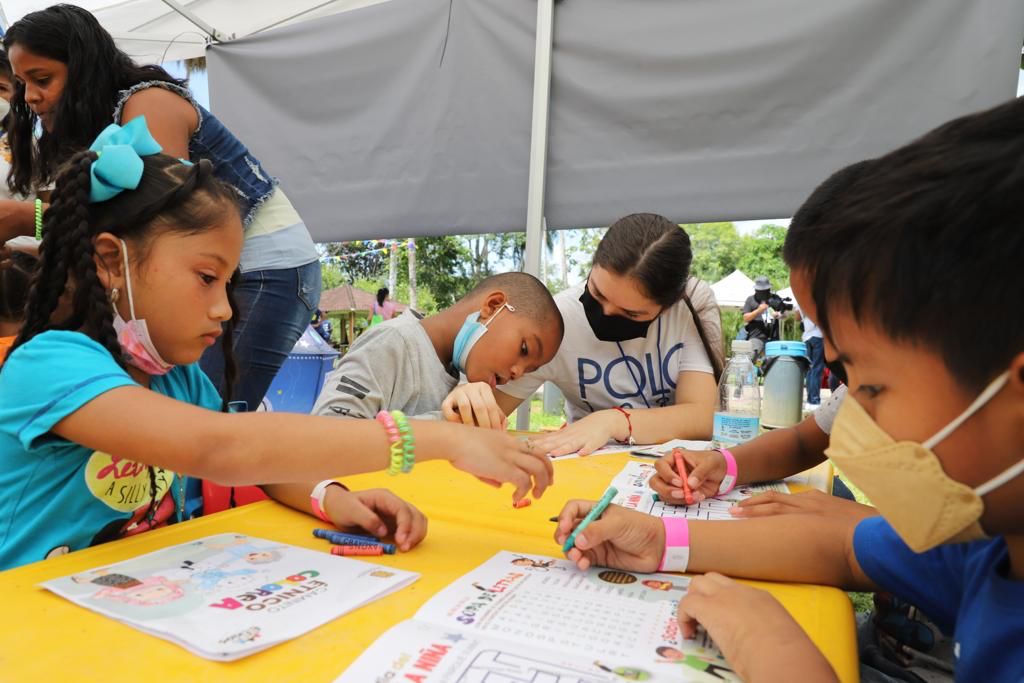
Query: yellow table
x: 45, y: 637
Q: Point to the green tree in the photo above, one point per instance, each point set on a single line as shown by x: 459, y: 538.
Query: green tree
x: 716, y: 249
x: 761, y: 254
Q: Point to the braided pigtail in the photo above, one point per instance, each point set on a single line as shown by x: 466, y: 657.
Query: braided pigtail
x: 67, y: 242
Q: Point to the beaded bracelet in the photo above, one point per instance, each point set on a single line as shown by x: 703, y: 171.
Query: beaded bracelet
x: 408, y: 442
x: 39, y: 219
x: 395, y: 439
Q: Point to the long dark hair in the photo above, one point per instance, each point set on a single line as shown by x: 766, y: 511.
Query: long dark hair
x: 382, y: 294
x: 97, y: 72
x: 656, y: 253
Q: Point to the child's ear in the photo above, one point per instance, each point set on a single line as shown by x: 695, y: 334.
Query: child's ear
x: 109, y: 260
x: 492, y: 302
x: 1016, y: 381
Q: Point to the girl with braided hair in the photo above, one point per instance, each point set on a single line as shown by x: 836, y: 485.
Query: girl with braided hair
x: 103, y: 409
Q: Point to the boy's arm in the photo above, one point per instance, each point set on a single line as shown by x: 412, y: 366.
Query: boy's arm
x: 773, y: 455
x: 800, y: 548
x: 780, y: 453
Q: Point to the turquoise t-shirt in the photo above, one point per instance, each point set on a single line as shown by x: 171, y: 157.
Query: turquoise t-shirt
x: 57, y: 496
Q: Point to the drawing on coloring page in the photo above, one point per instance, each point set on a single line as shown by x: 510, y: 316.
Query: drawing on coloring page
x: 635, y: 494
x: 497, y: 666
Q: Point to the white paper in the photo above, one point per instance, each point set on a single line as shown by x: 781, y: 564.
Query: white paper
x: 224, y: 597
x: 635, y: 493
x: 533, y: 619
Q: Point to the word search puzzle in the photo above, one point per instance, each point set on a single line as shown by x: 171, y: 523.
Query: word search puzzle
x: 636, y: 494
x: 534, y: 619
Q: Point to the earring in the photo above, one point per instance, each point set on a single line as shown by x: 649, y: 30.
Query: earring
x: 114, y: 294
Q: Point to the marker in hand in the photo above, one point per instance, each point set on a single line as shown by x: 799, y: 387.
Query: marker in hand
x: 677, y: 453
x: 594, y: 513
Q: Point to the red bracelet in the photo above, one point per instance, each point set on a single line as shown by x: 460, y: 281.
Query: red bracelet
x: 629, y: 422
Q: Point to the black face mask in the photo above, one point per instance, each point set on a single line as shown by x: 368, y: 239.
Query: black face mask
x: 837, y: 369
x: 611, y: 328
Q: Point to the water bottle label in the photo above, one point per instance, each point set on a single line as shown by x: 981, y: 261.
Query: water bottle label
x: 732, y: 430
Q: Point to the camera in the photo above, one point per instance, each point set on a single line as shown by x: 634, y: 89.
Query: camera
x: 778, y: 304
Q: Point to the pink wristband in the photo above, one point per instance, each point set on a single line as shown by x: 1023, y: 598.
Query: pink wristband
x: 677, y: 545
x: 729, y: 480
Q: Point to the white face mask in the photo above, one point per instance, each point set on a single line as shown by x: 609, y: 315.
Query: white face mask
x: 133, y: 335
x: 5, y: 108
x: 905, y: 479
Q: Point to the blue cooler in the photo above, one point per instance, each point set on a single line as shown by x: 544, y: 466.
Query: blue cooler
x: 298, y: 382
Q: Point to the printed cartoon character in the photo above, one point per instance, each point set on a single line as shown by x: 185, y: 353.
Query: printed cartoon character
x: 104, y: 577
x: 658, y: 585
x: 711, y: 665
x: 155, y: 597
x: 629, y: 673
x: 156, y: 590
x: 540, y: 565
x: 207, y: 577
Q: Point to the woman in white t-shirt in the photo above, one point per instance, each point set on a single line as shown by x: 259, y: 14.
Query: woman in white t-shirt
x: 642, y: 348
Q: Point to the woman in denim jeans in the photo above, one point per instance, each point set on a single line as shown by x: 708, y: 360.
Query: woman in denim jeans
x: 73, y: 80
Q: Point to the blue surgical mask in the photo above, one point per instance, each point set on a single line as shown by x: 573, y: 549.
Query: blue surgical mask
x: 470, y: 334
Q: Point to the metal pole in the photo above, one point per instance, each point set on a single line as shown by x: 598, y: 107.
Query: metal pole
x: 538, y: 156
x: 203, y: 26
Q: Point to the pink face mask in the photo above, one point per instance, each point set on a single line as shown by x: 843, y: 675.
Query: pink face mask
x: 133, y: 335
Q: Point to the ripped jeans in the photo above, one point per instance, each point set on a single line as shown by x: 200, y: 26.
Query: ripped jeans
x: 274, y: 309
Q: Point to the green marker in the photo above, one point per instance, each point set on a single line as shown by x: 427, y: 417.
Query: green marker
x: 594, y: 513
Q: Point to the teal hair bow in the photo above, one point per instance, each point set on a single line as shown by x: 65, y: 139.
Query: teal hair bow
x: 119, y: 166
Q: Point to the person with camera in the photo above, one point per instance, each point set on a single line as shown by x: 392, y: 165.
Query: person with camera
x: 761, y: 314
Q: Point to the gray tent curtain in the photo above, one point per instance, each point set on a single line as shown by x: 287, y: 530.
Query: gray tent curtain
x: 412, y: 117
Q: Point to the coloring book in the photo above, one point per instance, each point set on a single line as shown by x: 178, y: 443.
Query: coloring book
x: 227, y: 596
x: 531, y: 619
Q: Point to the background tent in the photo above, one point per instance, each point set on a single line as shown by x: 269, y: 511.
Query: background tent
x: 152, y: 31
x: 413, y: 117
x: 346, y: 303
x: 732, y: 290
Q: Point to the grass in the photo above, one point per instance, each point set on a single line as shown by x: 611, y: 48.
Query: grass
x: 539, y: 420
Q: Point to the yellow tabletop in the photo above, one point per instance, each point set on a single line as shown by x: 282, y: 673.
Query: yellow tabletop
x: 45, y: 637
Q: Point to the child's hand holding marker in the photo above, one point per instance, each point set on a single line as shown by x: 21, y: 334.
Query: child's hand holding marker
x: 706, y: 471
x: 619, y: 538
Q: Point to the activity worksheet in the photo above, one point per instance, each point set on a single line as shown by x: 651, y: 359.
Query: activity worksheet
x: 636, y: 494
x: 227, y: 596
x: 533, y: 619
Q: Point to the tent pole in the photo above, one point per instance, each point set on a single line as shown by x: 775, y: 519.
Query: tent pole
x: 203, y: 26
x: 538, y: 156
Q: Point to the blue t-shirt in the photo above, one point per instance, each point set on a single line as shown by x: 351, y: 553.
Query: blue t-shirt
x: 963, y: 588
x: 57, y: 496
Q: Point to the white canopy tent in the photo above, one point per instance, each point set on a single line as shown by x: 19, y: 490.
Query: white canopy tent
x: 154, y: 31
x: 732, y: 290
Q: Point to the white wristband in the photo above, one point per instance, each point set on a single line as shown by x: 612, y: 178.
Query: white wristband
x: 316, y: 498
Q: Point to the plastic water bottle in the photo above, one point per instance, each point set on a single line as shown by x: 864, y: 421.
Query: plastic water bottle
x: 738, y: 417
